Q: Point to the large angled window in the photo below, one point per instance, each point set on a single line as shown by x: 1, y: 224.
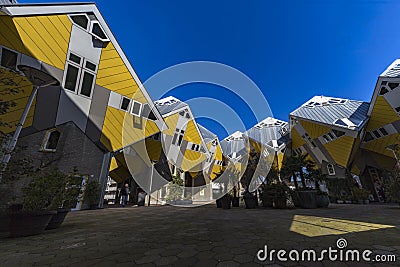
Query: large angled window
x: 80, y: 75
x: 8, y: 59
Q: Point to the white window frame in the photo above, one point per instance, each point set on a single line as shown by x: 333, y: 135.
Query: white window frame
x: 133, y: 105
x: 46, y: 140
x: 91, y: 24
x: 81, y: 71
x: 80, y: 14
x: 129, y: 105
x: 329, y: 167
x: 12, y: 50
x: 82, y: 75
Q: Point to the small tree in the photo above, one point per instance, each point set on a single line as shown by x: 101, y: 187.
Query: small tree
x: 175, y: 188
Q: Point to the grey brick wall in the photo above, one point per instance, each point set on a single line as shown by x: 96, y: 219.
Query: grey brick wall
x: 74, y: 150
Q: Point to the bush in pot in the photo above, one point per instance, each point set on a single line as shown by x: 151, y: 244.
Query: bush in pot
x: 279, y: 192
x: 250, y: 200
x: 361, y: 194
x: 91, y: 194
x: 67, y: 192
x: 266, y: 195
x: 38, y: 206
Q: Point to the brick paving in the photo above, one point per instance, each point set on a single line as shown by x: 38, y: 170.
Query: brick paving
x: 202, y: 236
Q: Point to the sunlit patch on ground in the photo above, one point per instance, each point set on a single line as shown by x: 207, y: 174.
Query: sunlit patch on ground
x: 319, y: 226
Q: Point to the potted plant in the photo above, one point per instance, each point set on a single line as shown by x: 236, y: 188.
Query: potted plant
x: 250, y: 200
x: 235, y: 197
x: 266, y: 195
x: 226, y: 201
x: 91, y: 194
x: 279, y: 193
x: 66, y: 196
x: 33, y: 215
x: 361, y: 195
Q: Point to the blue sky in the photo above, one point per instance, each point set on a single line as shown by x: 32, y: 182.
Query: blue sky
x: 292, y: 50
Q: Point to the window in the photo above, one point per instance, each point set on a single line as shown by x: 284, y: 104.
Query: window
x: 368, y: 137
x: 98, y: 32
x: 308, y: 139
x: 148, y: 113
x: 51, y: 140
x: 136, y: 108
x: 91, y: 25
x: 125, y: 103
x: 331, y: 169
x: 156, y: 136
x: 383, y: 90
x: 178, y: 137
x: 338, y: 133
x: 383, y: 131
x: 376, y: 133
x: 80, y: 75
x: 9, y: 59
x: 81, y: 20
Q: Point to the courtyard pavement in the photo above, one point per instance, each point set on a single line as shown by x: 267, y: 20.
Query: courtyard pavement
x: 205, y: 236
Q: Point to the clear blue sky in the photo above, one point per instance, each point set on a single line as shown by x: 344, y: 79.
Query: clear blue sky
x: 292, y: 50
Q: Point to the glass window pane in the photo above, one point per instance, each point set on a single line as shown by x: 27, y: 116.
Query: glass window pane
x: 98, y: 31
x: 80, y: 20
x: 136, y: 108
x: 71, y: 78
x: 125, y: 103
x: 53, y: 140
x: 9, y: 59
x: 75, y: 58
x: 87, y: 84
x: 90, y: 66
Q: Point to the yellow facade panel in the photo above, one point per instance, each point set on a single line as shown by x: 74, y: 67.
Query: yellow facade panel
x: 314, y: 130
x: 154, y: 149
x: 119, y: 129
x: 340, y: 150
x: 191, y: 133
x: 171, y: 122
x: 379, y: 145
x: 9, y: 35
x: 114, y: 75
x: 297, y: 140
x: 382, y: 114
x: 40, y: 42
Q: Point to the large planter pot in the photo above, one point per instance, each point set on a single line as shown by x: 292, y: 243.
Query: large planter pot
x: 267, y: 202
x: 219, y: 204
x: 235, y: 202
x: 4, y: 225
x: 27, y: 224
x: 226, y: 202
x: 295, y: 199
x: 307, y: 199
x: 322, y: 201
x: 250, y: 201
x: 280, y: 203
x: 57, y: 219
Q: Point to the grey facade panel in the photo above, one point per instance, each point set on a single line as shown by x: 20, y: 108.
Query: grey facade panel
x: 53, y: 71
x: 47, y: 100
x: 97, y: 112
